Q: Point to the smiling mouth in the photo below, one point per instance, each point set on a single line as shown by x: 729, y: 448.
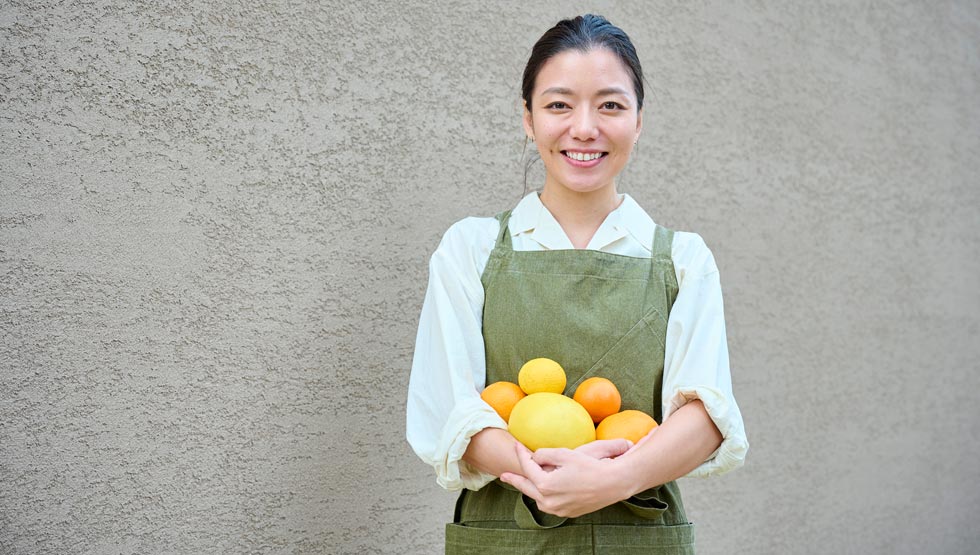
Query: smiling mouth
x: 584, y: 156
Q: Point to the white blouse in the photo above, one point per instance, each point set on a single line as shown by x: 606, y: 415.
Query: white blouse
x: 444, y: 408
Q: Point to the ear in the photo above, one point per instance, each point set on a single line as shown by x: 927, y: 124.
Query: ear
x: 528, y: 121
x: 639, y: 124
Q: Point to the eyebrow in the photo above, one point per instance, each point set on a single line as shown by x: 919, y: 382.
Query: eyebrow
x: 601, y: 92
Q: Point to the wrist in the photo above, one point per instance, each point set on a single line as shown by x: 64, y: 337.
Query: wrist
x: 627, y: 482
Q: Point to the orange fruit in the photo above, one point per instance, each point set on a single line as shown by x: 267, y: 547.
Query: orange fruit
x: 541, y: 375
x: 550, y: 420
x: 629, y: 424
x: 599, y: 396
x: 502, y: 396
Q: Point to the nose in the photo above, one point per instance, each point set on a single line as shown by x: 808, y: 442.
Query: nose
x: 584, y: 125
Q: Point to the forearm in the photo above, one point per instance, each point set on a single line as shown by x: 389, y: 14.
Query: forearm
x: 491, y: 450
x: 684, y: 441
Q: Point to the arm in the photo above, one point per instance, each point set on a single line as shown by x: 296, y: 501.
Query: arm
x: 444, y: 408
x: 696, y: 362
x: 671, y: 451
x: 491, y: 451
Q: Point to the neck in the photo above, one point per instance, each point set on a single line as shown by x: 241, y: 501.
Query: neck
x: 580, y: 214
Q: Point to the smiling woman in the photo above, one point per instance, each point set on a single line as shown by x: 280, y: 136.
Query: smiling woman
x: 585, y: 120
x: 582, y: 275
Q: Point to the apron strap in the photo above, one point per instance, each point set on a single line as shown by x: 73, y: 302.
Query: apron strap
x: 503, y: 236
x: 663, y: 240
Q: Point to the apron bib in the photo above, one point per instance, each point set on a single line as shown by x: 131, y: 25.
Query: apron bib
x: 596, y: 314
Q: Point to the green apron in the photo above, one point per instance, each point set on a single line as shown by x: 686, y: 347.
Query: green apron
x: 597, y: 314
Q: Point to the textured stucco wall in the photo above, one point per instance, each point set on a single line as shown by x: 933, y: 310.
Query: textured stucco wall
x: 215, y: 223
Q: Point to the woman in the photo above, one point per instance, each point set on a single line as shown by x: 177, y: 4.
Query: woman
x: 582, y: 275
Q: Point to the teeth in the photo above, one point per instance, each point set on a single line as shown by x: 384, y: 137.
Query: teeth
x: 583, y: 157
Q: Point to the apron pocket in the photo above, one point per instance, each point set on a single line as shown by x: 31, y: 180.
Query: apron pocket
x: 605, y: 539
x: 469, y: 540
x: 641, y: 540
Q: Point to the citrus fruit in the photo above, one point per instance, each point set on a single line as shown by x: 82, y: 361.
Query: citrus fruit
x: 550, y: 420
x: 502, y: 396
x: 599, y: 396
x: 629, y: 424
x: 541, y: 375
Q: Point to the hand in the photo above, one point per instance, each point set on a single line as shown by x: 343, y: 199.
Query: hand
x: 600, y: 449
x: 577, y: 483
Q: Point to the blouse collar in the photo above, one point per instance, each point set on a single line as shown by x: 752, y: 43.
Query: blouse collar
x: 532, y: 217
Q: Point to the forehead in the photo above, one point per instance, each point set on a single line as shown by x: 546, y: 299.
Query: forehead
x: 583, y: 72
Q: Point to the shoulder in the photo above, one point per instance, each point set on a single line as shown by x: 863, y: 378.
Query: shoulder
x: 468, y: 241
x: 472, y: 228
x: 691, y: 256
x: 470, y: 232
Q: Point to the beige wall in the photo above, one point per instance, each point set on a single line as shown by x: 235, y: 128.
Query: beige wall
x: 215, y: 224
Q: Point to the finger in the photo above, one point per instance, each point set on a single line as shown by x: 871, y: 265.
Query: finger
x: 523, y: 485
x: 531, y: 469
x: 553, y: 456
x: 606, y: 448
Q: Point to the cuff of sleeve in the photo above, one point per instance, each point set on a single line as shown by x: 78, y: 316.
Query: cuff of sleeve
x: 466, y: 419
x: 725, y: 414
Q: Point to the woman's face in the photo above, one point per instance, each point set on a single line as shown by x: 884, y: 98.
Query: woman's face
x: 584, y: 119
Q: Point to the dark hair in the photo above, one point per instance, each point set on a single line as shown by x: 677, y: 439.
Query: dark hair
x: 583, y: 33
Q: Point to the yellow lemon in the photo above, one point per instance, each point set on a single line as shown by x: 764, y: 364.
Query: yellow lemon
x: 550, y: 420
x: 541, y: 375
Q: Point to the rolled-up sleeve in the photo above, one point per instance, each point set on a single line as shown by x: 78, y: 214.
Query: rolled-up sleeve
x: 696, y: 362
x: 444, y: 409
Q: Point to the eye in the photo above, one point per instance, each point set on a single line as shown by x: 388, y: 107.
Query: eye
x: 557, y: 105
x: 612, y: 106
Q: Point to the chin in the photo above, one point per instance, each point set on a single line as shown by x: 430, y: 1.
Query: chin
x: 584, y: 188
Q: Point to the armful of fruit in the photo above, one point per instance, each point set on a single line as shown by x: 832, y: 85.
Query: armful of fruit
x: 578, y: 484
x: 570, y: 472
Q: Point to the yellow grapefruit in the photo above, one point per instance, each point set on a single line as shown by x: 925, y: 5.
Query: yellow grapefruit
x: 550, y: 420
